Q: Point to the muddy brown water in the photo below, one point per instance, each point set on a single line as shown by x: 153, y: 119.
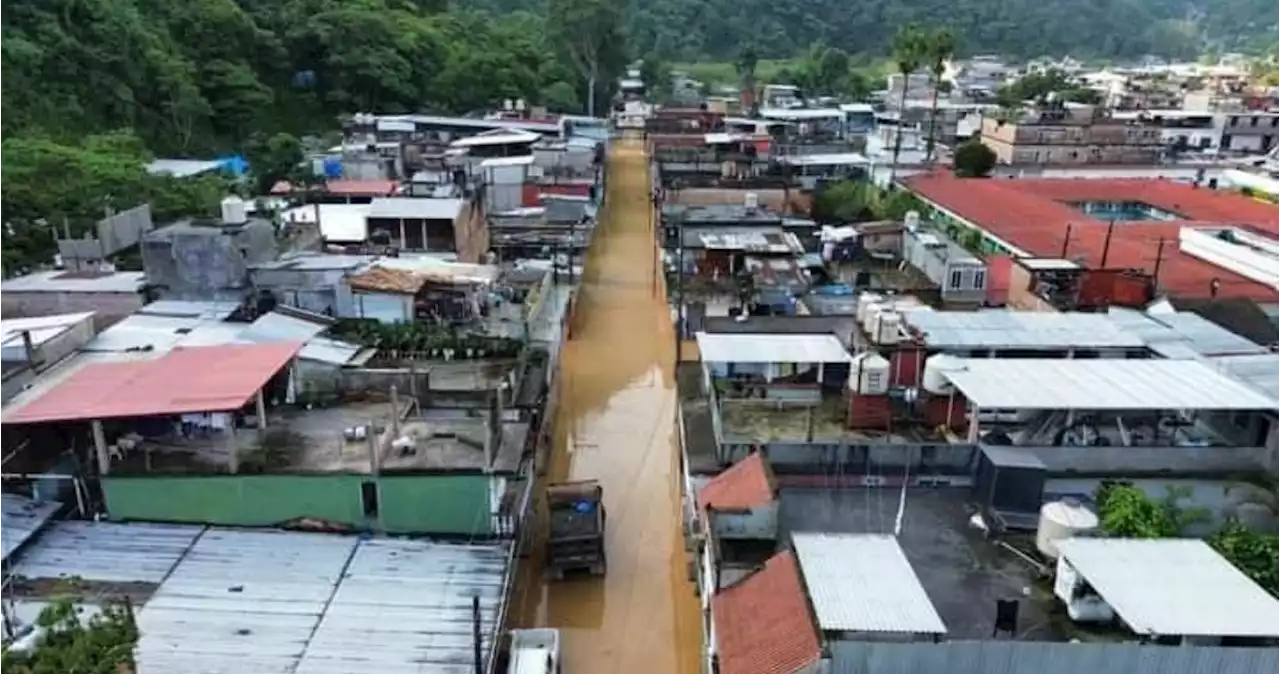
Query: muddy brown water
x: 614, y: 422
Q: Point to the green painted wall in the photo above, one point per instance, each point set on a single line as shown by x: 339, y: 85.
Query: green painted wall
x: 426, y: 504
x: 456, y: 504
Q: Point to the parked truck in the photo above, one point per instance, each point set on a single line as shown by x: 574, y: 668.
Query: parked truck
x: 577, y: 521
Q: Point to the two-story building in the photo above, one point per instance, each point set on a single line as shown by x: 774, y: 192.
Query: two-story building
x: 1070, y: 134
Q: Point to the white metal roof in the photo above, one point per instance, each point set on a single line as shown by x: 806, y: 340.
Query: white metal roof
x: 765, y: 348
x: 827, y: 159
x: 63, y: 281
x: 1047, y: 264
x: 413, y: 208
x: 864, y: 583
x: 106, y: 552
x: 1046, y: 384
x: 498, y: 137
x: 1177, y: 586
x: 22, y: 518
x: 183, y: 168
x: 999, y: 329
x: 343, y: 223
x: 1260, y: 372
x: 42, y: 328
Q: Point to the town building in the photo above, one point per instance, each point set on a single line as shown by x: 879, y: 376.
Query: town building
x: 1070, y: 134
x: 1169, y: 231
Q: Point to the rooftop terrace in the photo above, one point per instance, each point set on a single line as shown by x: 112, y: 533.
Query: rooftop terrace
x: 1033, y: 215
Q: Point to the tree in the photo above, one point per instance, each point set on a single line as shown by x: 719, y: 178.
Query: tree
x: 1037, y: 87
x: 560, y: 97
x: 272, y: 159
x: 973, y: 159
x: 591, y: 33
x: 939, y: 47
x: 1257, y: 555
x: 908, y: 54
x: 103, y: 644
x: 745, y: 63
x: 656, y: 75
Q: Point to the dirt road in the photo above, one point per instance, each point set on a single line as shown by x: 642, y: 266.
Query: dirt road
x: 614, y: 423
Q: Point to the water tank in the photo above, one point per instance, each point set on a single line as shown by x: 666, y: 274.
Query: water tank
x: 934, y: 379
x: 752, y: 200
x: 1060, y: 520
x: 886, y: 329
x: 865, y: 300
x: 871, y: 317
x: 911, y: 221
x: 234, y: 211
x: 869, y: 374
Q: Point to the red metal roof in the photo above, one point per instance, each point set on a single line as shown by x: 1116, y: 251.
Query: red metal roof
x: 763, y: 624
x: 347, y: 188
x: 1032, y: 215
x: 746, y: 484
x: 185, y: 380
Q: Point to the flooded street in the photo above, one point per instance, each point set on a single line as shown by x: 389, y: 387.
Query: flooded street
x: 615, y: 423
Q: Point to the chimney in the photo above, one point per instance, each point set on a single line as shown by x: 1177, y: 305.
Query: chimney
x: 493, y: 428
x: 29, y: 348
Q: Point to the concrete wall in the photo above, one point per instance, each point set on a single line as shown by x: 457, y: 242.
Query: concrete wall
x: 408, y: 504
x: 759, y: 523
x: 108, y: 307
x: 383, y: 307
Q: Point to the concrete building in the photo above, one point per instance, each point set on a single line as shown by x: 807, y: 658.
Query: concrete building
x: 1251, y: 132
x: 203, y: 259
x: 1070, y: 135
x: 111, y: 295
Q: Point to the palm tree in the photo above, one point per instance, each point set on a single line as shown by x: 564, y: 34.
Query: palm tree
x: 908, y: 54
x: 939, y: 47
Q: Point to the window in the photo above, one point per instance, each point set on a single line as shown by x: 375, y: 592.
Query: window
x: 955, y: 280
x: 979, y: 279
x: 369, y: 498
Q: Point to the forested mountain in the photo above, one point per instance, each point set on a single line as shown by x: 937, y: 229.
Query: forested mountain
x: 694, y: 30
x: 200, y: 75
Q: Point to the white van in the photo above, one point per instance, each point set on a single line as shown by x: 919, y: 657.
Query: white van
x: 535, y: 651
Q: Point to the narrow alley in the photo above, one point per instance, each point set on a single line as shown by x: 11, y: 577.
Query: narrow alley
x: 615, y: 423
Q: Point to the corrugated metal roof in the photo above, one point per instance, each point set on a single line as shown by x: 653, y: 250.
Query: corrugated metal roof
x: 404, y: 607
x: 1260, y: 372
x: 22, y: 518
x: 1101, y: 385
x: 1175, y: 587
x: 42, y: 328
x: 294, y: 326
x: 336, y: 352
x: 106, y: 552
x: 1013, y: 657
x: 1168, y: 333
x: 765, y: 348
x: 864, y: 583
x: 243, y: 601
x: 194, y: 379
x: 1018, y: 330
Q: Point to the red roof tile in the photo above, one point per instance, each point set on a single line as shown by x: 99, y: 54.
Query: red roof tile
x: 1032, y: 215
x: 746, y: 484
x: 763, y: 624
x: 185, y: 380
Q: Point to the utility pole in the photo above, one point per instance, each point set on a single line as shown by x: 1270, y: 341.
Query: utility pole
x: 1106, y: 245
x: 1155, y: 271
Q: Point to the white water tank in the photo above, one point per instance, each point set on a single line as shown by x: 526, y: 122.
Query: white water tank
x: 865, y: 300
x: 936, y: 367
x: 234, y: 211
x: 1060, y: 520
x: 886, y: 328
x: 911, y: 221
x: 752, y: 200
x: 871, y: 316
x: 869, y: 374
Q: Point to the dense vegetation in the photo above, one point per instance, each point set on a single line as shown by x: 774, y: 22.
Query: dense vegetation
x: 102, y: 644
x: 92, y: 89
x: 1124, y: 511
x: 693, y: 30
